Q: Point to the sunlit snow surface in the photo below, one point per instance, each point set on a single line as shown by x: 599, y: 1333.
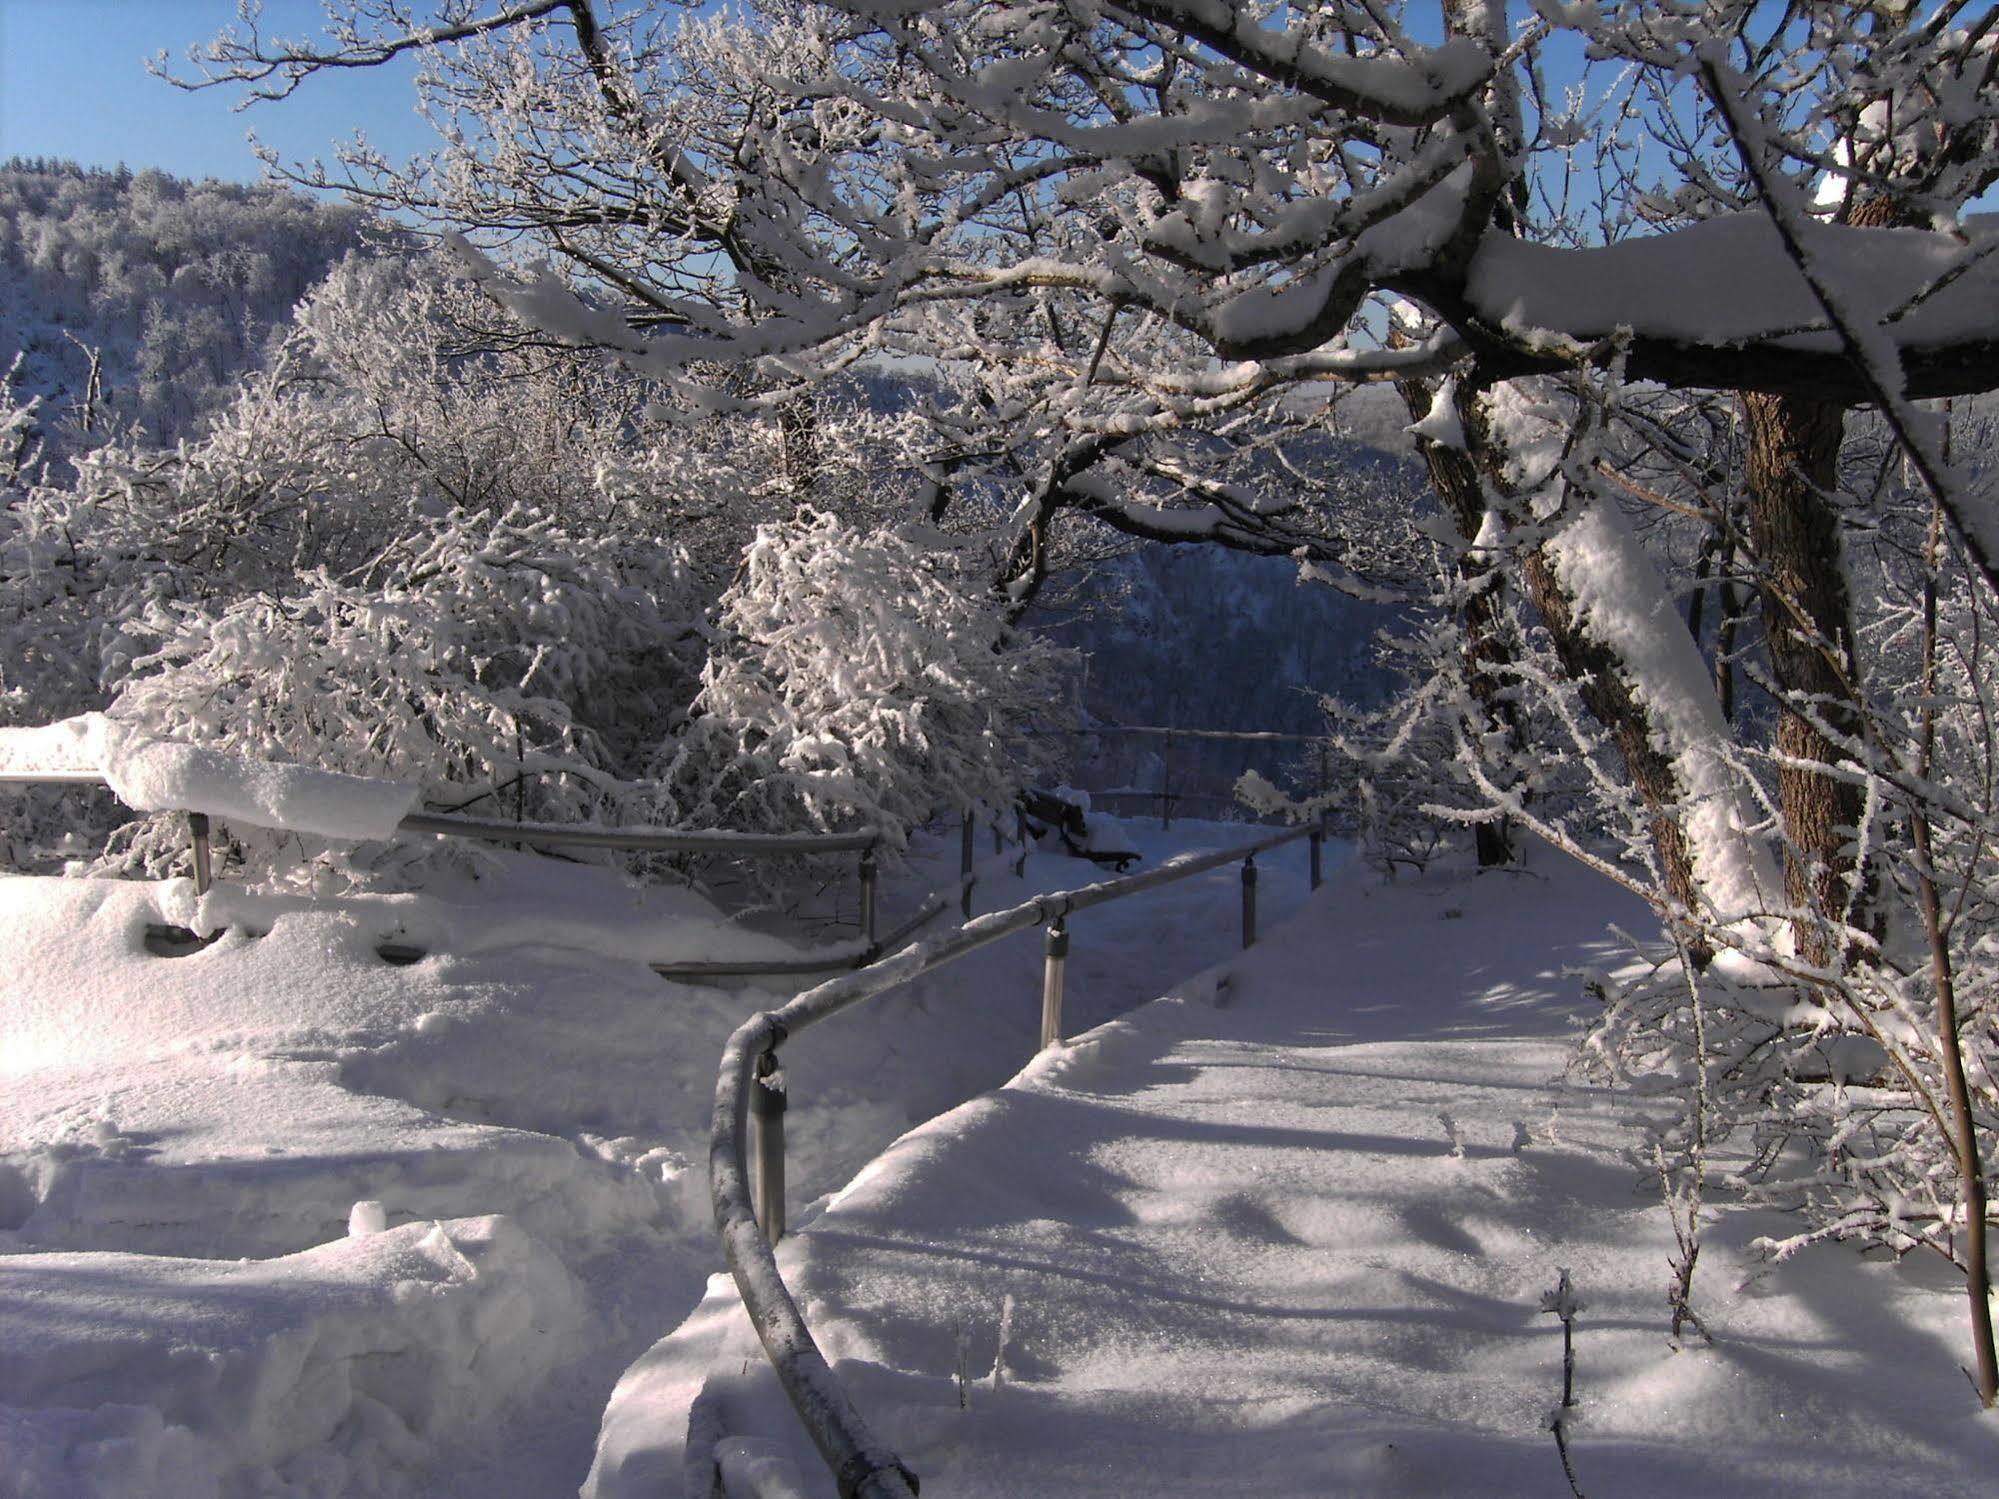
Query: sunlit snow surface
x: 1283, y: 1232
x: 184, y: 1140
x: 1288, y: 1233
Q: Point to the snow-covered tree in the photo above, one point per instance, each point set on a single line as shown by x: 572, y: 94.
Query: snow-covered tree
x: 1135, y: 236
x: 137, y: 300
x: 862, y: 678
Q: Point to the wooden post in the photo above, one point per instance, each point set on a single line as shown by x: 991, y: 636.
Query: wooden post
x: 870, y: 883
x: 1318, y: 855
x: 1052, y: 970
x: 767, y: 1104
x: 1166, y: 786
x: 1249, y: 901
x: 965, y: 861
x: 197, y: 829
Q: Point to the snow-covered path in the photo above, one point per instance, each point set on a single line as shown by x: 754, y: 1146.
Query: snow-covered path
x: 1288, y: 1234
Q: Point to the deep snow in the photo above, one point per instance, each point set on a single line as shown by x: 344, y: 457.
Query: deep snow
x: 1287, y: 1231
x: 1283, y: 1231
x: 184, y: 1140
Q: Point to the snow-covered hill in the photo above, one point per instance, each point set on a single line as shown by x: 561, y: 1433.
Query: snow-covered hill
x: 174, y: 286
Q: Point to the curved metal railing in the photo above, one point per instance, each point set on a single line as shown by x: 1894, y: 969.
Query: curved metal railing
x: 749, y: 1098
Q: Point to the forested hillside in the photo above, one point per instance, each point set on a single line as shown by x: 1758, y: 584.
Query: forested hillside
x: 170, y: 288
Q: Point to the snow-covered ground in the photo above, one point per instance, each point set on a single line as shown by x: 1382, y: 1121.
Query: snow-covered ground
x: 282, y: 1216
x: 1288, y: 1231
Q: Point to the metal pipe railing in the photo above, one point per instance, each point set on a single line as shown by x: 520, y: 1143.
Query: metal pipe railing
x: 1054, y: 971
x: 861, y: 1466
x: 866, y: 841
x: 197, y: 837
x: 655, y: 840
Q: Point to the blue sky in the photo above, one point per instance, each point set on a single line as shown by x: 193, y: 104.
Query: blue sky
x: 73, y: 84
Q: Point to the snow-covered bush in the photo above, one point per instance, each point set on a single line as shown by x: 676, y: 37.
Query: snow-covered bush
x: 387, y: 555
x: 862, y: 678
x: 473, y: 660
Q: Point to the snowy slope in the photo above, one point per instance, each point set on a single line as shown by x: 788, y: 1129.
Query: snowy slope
x: 1289, y: 1235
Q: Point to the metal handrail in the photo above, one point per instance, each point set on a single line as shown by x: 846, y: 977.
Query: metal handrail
x: 866, y: 841
x: 658, y: 840
x: 1157, y: 731
x: 863, y: 1468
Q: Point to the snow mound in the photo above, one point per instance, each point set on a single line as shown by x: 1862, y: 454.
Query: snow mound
x: 220, y: 1155
x: 155, y: 775
x: 137, y: 1375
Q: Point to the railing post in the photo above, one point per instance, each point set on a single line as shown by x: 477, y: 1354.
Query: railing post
x: 965, y: 862
x: 1249, y: 901
x: 767, y: 1104
x: 1318, y: 855
x: 197, y: 830
x: 870, y: 883
x: 1051, y: 982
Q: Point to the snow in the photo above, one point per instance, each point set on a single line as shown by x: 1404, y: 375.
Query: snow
x: 1729, y: 280
x: 174, y: 1373
x: 155, y: 775
x: 1289, y: 1231
x: 286, y: 1095
x: 280, y: 1217
x: 1441, y: 424
x: 1620, y: 600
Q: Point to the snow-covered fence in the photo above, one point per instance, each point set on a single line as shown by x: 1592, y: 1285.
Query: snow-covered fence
x: 269, y: 795
x: 1168, y: 799
x: 750, y: 1088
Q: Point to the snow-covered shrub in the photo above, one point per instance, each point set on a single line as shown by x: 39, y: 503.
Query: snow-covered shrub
x: 388, y: 555
x: 474, y: 658
x: 861, y: 678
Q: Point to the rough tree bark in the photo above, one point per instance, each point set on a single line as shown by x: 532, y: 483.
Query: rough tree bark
x: 1793, y: 469
x: 1793, y: 463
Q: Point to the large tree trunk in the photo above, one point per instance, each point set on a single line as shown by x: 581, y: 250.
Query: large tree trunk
x: 1709, y: 863
x: 1794, y: 444
x: 1793, y: 464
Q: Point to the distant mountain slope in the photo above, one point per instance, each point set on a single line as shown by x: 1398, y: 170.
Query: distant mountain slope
x: 173, y: 285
